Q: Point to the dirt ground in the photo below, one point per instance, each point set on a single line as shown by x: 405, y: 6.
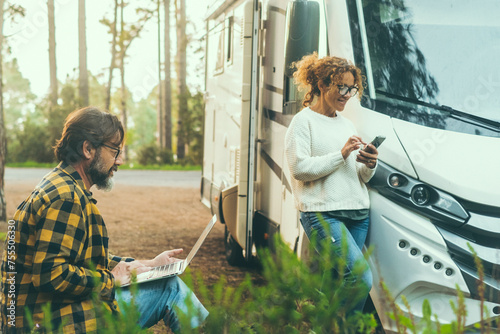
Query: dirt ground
x: 144, y: 221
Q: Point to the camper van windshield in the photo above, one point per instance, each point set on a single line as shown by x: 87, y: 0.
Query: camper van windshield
x: 435, y: 55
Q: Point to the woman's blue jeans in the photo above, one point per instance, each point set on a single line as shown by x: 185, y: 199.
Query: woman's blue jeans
x: 160, y: 299
x: 355, y: 232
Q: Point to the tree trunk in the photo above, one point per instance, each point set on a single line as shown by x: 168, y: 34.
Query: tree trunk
x: 52, y: 54
x: 83, y: 87
x: 122, y: 75
x: 123, y: 107
x: 160, y: 120
x: 181, y: 77
x: 3, y: 137
x: 167, y: 113
x: 113, y: 58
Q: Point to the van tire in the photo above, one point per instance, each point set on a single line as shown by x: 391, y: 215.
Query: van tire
x: 234, y: 252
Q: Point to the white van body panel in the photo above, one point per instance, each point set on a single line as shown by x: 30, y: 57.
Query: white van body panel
x: 459, y: 163
x: 406, y: 274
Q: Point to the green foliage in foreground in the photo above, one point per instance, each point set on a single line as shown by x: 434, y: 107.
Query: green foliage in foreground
x: 298, y: 297
x: 295, y: 299
x: 109, y: 322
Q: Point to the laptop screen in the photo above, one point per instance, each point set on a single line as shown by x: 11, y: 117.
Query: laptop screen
x: 200, y: 240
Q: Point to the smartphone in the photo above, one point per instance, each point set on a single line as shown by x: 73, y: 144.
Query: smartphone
x: 377, y: 141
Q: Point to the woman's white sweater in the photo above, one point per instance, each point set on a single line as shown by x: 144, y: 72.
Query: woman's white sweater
x: 321, y: 179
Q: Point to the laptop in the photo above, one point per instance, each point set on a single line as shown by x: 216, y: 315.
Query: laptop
x: 178, y: 267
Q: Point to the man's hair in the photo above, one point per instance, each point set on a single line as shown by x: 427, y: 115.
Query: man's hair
x: 89, y: 123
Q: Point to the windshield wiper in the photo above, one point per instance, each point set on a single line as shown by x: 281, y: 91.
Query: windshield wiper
x: 457, y: 114
x: 469, y: 118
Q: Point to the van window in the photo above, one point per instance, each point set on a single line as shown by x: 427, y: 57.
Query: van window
x: 431, y: 62
x: 215, y: 48
x: 219, y: 64
x: 229, y: 39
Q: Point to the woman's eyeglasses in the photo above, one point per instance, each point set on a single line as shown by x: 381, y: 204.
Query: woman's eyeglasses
x: 344, y: 89
x: 118, y: 151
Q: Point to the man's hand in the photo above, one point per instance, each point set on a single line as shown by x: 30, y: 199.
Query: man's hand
x: 164, y: 258
x: 123, y: 271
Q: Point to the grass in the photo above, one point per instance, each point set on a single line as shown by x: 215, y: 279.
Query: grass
x: 129, y: 166
x: 160, y: 167
x: 30, y: 164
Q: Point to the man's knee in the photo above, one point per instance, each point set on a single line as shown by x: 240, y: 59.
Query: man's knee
x: 176, y: 285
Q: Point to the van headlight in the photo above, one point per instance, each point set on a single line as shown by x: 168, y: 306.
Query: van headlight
x: 420, y: 195
x: 427, y: 200
x: 396, y: 180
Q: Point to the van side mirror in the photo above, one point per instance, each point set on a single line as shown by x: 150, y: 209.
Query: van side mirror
x: 301, y: 38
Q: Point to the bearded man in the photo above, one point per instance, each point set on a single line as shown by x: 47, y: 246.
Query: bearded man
x: 57, y: 245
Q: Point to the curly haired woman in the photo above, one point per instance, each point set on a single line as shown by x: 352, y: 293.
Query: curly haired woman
x: 329, y: 171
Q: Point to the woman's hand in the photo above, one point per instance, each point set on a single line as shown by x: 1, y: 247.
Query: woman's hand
x: 368, y: 156
x: 352, y: 144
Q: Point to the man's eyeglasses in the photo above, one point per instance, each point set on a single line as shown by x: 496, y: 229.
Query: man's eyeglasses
x: 344, y: 89
x: 118, y: 151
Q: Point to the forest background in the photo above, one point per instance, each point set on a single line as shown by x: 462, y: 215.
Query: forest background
x: 161, y: 108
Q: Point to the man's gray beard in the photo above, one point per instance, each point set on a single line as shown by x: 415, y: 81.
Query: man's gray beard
x: 107, y: 185
x: 103, y: 181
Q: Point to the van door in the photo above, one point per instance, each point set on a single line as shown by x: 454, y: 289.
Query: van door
x: 248, y: 128
x: 303, y: 36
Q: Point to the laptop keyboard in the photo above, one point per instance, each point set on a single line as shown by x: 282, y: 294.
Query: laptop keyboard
x: 166, y: 269
x: 160, y: 271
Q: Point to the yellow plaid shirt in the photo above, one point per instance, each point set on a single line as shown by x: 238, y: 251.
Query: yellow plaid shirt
x: 56, y: 237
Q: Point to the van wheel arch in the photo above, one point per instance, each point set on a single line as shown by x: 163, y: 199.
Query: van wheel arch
x: 234, y: 252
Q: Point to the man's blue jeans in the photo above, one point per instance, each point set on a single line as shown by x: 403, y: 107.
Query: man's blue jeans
x: 160, y: 299
x: 355, y: 232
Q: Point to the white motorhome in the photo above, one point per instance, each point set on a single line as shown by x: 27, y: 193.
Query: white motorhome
x: 433, y: 89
